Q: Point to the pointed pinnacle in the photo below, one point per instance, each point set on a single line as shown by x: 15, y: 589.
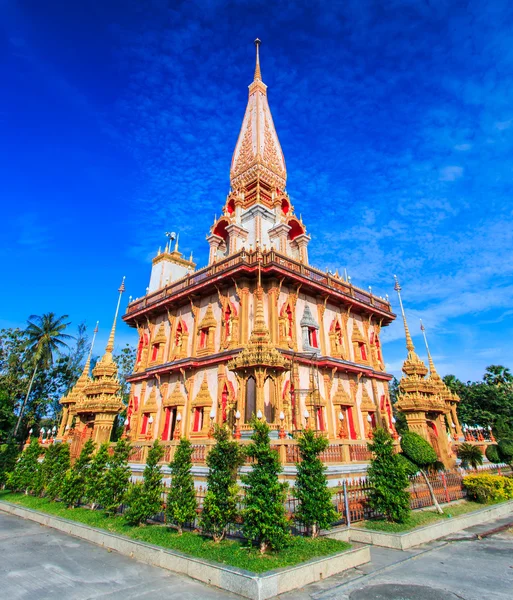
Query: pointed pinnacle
x: 258, y: 74
x: 409, y: 342
x: 110, y: 343
x: 432, y: 368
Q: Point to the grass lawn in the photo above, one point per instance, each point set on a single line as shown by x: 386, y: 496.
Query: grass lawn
x: 420, y: 518
x: 228, y: 552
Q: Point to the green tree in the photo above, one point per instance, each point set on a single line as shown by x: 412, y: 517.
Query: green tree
x: 388, y: 481
x: 145, y: 499
x: 220, y: 502
x: 265, y: 521
x: 470, y: 455
x: 74, y: 483
x: 116, y: 478
x: 26, y: 476
x: 49, y: 465
x: 418, y: 451
x: 95, y: 475
x: 54, y: 486
x: 8, y: 456
x: 488, y: 402
x: 315, y: 509
x: 181, y: 502
x: 45, y: 338
x: 400, y: 418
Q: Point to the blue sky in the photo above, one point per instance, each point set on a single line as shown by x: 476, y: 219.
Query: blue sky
x: 118, y: 120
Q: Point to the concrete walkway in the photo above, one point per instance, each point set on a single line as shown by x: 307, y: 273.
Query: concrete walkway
x: 465, y: 568
x: 39, y: 562
x: 42, y: 563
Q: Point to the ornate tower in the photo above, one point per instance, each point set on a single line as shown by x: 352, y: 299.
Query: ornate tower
x: 96, y: 402
x: 425, y: 401
x: 258, y: 330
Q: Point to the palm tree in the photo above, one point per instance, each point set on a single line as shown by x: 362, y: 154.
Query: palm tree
x: 470, y: 455
x: 45, y: 338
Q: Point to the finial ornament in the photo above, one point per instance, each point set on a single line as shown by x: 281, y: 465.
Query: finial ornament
x: 110, y: 343
x: 409, y: 342
x: 258, y: 74
x: 431, y: 363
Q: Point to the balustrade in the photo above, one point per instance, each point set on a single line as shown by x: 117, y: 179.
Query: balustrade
x: 266, y: 258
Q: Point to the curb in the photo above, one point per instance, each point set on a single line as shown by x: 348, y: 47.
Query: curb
x: 231, y: 579
x: 422, y: 535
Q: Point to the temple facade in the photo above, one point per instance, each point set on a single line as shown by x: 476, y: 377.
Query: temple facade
x: 427, y: 403
x: 258, y: 331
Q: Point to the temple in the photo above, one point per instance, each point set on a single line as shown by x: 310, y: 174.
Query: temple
x: 258, y: 331
x: 427, y: 403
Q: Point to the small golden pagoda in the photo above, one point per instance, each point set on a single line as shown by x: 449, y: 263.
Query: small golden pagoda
x: 75, y: 395
x: 425, y: 400
x: 97, y: 400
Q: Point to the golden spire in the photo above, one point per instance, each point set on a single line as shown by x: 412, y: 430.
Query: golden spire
x: 88, y: 361
x: 110, y: 343
x: 409, y: 343
x: 258, y: 75
x: 432, y: 369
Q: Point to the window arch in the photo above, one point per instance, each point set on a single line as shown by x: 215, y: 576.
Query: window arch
x: 250, y: 404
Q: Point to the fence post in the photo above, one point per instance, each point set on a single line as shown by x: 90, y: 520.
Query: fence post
x: 444, y: 481
x: 346, y: 504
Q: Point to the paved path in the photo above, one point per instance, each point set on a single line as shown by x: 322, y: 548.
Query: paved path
x: 40, y: 562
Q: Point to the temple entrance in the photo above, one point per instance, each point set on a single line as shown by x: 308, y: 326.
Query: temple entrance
x: 433, y: 438
x: 83, y: 433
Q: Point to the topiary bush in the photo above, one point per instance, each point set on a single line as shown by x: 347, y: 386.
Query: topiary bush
x: 315, y: 509
x: 488, y: 488
x: 26, y: 476
x: 493, y: 454
x: 506, y: 450
x: 418, y: 450
x: 410, y: 469
x: 220, y: 502
x: 95, y: 475
x: 388, y: 480
x: 265, y: 520
x: 61, y: 464
x: 74, y: 484
x: 116, y: 478
x: 181, y: 502
x: 145, y: 499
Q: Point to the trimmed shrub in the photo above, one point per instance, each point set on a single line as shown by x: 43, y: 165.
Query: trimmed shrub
x: 145, y: 499
x: 26, y: 476
x: 74, y: 484
x: 506, y: 450
x: 95, y: 475
x: 220, y: 502
x: 493, y: 454
x: 387, y: 478
x: 418, y: 450
x: 55, y: 475
x: 315, y: 509
x: 116, y: 478
x: 410, y: 469
x: 8, y: 455
x: 488, y: 488
x: 265, y: 521
x: 181, y: 499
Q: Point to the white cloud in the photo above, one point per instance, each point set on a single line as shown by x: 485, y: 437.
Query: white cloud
x: 451, y: 173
